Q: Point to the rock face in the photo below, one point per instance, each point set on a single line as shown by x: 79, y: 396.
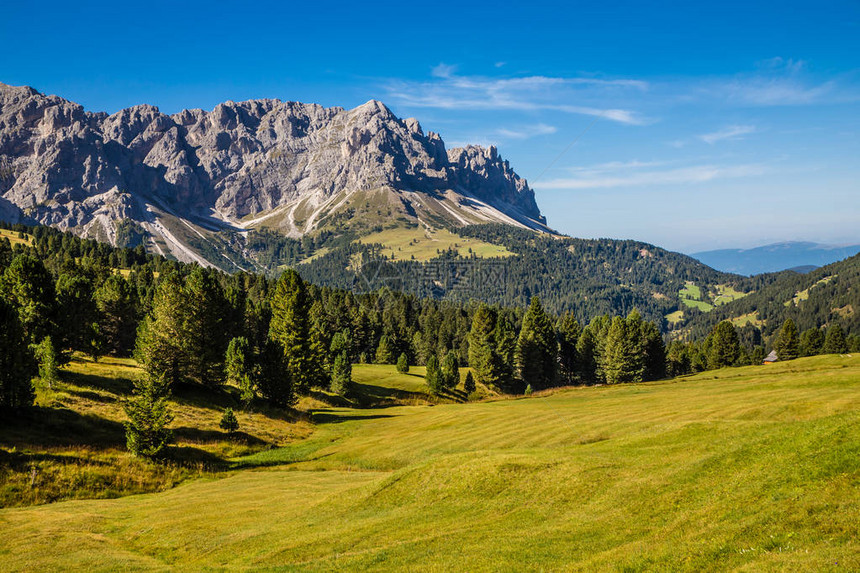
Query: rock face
x: 63, y: 166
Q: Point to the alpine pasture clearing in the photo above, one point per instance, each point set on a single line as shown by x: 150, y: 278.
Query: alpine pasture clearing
x: 752, y: 469
x: 420, y: 244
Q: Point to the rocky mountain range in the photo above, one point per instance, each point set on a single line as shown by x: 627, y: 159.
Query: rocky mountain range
x: 180, y: 182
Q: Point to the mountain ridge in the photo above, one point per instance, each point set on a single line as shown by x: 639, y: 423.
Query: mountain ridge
x: 288, y: 166
x: 775, y: 257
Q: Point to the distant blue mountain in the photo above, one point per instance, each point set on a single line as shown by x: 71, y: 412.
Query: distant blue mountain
x: 794, y: 255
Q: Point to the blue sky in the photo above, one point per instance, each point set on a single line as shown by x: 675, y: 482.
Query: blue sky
x: 695, y: 127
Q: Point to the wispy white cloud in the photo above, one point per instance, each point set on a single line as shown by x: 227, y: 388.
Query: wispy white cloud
x: 731, y: 133
x: 636, y: 178
x: 580, y: 95
x: 527, y: 131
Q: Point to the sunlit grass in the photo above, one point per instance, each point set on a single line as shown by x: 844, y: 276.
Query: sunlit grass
x: 742, y: 469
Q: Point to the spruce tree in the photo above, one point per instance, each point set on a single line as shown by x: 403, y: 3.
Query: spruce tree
x: 653, y: 348
x: 161, y: 337
x: 569, y: 332
x: 469, y: 383
x: 433, y: 375
x: 273, y: 376
x: 146, y: 430
x: 239, y: 368
x: 450, y: 371
x: 725, y: 345
x: 77, y: 313
x: 403, y: 364
x: 290, y: 329
x: 229, y: 423
x: 787, y: 343
x: 536, y: 348
x: 834, y: 342
x: 385, y: 351
x: 341, y: 375
x: 28, y: 286
x: 811, y: 342
x: 117, y: 316
x: 48, y: 359
x: 586, y: 352
x: 622, y: 359
x: 17, y: 364
x: 484, y: 357
x: 203, y: 339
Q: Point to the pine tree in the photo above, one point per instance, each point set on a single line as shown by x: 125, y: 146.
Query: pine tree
x: 622, y: 358
x: 239, y: 368
x: 146, y: 430
x: 725, y: 345
x: 17, y: 365
x: 28, y: 286
x: 536, y: 348
x: 569, y: 332
x: 484, y: 357
x: 469, y: 384
x: 341, y: 375
x: 229, y: 423
x: 77, y: 312
x: 290, y: 330
x: 403, y: 364
x: 203, y: 339
x: 450, y: 371
x: 385, y: 351
x: 117, y: 316
x: 834, y: 342
x: 653, y: 349
x: 586, y: 352
x: 787, y: 343
x: 160, y: 344
x: 273, y: 376
x: 46, y: 354
x: 433, y: 375
x: 811, y: 342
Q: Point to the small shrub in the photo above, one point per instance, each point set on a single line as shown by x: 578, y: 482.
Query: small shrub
x: 229, y: 423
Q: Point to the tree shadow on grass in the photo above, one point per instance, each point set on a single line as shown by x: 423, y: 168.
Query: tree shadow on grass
x: 331, y: 418
x: 19, y: 461
x: 40, y: 427
x: 121, y: 386
x: 370, y: 395
x: 213, y: 436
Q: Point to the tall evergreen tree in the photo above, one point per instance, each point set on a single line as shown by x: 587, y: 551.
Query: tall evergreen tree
x: 385, y: 351
x: 291, y: 330
x: 834, y: 342
x: 622, y: 358
x: 77, y: 313
x: 484, y: 356
x: 403, y: 364
x: 117, y: 316
x: 203, y: 333
x: 28, y: 286
x: 536, y: 348
x: 433, y: 375
x: 569, y: 332
x: 469, y: 383
x: 811, y: 342
x: 239, y: 368
x: 160, y: 346
x: 148, y: 414
x: 450, y: 370
x: 273, y: 376
x: 49, y: 361
x: 787, y: 343
x: 725, y: 345
x: 653, y: 349
x: 586, y: 352
x: 341, y: 375
x: 17, y: 365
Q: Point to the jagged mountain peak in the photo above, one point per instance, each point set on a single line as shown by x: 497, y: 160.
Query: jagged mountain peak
x: 287, y: 165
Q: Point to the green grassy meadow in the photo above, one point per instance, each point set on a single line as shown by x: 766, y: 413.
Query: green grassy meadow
x: 407, y: 243
x: 744, y: 469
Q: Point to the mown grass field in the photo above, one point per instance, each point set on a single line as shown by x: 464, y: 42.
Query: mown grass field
x: 422, y: 245
x: 748, y: 469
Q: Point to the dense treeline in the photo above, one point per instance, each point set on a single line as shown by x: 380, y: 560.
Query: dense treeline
x: 281, y: 338
x: 187, y: 324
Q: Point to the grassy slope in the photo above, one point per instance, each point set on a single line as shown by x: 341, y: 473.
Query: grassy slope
x: 405, y: 243
x: 745, y: 469
x: 15, y: 239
